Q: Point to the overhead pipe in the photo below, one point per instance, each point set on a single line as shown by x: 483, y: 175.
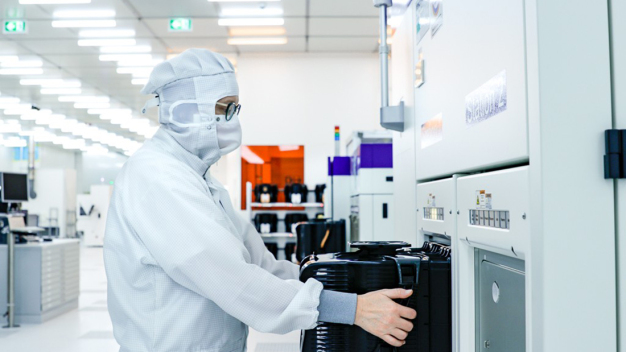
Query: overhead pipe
x: 391, y: 117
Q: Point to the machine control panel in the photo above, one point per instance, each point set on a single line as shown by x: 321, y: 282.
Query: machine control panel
x: 433, y: 213
x: 498, y: 219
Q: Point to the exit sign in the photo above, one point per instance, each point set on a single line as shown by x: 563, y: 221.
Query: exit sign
x: 180, y: 24
x: 14, y: 27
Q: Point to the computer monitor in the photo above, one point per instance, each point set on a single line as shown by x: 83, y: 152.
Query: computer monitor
x: 14, y: 187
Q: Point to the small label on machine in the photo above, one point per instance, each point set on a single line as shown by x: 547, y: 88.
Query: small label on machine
x: 437, y: 13
x: 431, y: 201
x: 432, y: 131
x: 483, y: 200
x: 487, y: 101
x: 422, y: 19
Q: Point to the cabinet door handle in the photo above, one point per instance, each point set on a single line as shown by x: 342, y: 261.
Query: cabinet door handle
x: 385, y: 210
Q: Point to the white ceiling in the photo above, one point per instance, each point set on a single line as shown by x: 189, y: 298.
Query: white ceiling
x: 310, y: 25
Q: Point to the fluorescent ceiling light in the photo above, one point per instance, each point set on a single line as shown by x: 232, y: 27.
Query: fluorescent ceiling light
x: 34, y: 131
x: 34, y: 114
x: 125, y: 57
x: 25, y: 63
x: 8, y: 58
x: 242, y: 12
x: 52, y: 2
x: 15, y: 109
x: 51, y: 83
x: 83, y: 23
x: 84, y: 14
x: 134, y: 70
x: 9, y: 100
x: 10, y: 128
x: 84, y: 99
x: 90, y: 105
x: 109, y: 111
x: 257, y: 41
x: 106, y: 33
x: 14, y: 142
x: 21, y: 71
x: 139, y: 81
x: 126, y: 49
x: 141, y: 74
x: 241, y: 0
x: 106, y: 42
x: 254, y: 31
x: 61, y: 91
x: 251, y: 22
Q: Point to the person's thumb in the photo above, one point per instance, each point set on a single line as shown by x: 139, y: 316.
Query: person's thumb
x: 397, y: 293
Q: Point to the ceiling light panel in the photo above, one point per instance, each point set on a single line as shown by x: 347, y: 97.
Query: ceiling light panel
x: 53, y: 2
x: 258, y: 41
x: 84, y: 99
x: 241, y: 1
x: 256, y: 31
x: 47, y: 91
x: 84, y: 14
x: 125, y: 57
x: 106, y: 33
x: 21, y: 71
x: 250, y: 12
x: 24, y: 63
x: 91, y: 105
x: 51, y: 83
x: 83, y: 23
x: 125, y: 49
x: 107, y: 42
x: 251, y: 22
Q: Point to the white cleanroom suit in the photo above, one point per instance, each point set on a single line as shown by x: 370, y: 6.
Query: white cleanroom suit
x: 185, y: 272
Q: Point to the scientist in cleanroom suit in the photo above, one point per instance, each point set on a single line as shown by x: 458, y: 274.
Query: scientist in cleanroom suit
x: 185, y: 272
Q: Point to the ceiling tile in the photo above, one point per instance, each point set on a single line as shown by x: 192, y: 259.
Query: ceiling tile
x: 61, y: 46
x: 343, y: 26
x: 201, y: 27
x: 342, y: 44
x: 167, y: 9
x: 179, y: 45
x: 297, y: 44
x: 343, y: 8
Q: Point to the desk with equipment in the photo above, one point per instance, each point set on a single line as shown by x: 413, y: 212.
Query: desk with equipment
x: 43, y: 275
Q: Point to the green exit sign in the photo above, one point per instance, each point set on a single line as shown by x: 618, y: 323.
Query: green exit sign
x: 14, y: 27
x: 180, y: 24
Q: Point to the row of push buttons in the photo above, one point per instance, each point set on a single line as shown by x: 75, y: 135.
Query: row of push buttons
x: 490, y: 218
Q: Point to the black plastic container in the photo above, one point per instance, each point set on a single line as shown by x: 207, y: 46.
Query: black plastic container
x: 294, y: 218
x: 270, y: 219
x: 383, y: 265
x: 320, y: 236
x: 267, y: 189
x: 319, y: 193
x: 296, y: 189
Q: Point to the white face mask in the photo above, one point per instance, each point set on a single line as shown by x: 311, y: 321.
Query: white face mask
x: 228, y: 134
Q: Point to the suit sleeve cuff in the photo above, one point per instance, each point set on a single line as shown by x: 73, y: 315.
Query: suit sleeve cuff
x: 337, y: 307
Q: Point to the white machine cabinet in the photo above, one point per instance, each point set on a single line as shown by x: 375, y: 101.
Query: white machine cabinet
x: 471, y: 111
x: 517, y: 95
x: 493, y: 211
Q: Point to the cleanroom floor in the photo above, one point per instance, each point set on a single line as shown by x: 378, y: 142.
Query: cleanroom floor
x: 88, y: 328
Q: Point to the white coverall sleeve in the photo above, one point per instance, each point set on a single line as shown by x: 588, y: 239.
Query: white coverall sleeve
x: 179, y: 225
x: 265, y: 259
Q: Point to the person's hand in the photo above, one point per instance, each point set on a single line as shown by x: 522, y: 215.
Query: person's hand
x: 377, y: 314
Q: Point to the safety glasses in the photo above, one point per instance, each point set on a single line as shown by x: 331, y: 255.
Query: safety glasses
x: 231, y: 109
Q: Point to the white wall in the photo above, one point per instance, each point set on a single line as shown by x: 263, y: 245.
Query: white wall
x: 49, y: 157
x: 290, y: 99
x: 94, y: 169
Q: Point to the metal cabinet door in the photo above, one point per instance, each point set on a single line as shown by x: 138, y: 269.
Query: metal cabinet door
x: 501, y: 312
